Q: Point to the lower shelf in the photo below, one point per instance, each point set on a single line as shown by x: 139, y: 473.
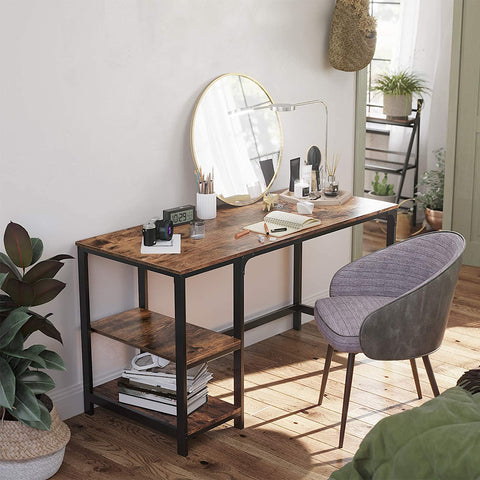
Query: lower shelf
x: 213, y: 413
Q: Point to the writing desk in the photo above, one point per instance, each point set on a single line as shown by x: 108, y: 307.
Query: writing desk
x: 187, y: 344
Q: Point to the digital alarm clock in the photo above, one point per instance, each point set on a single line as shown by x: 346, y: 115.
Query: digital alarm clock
x: 180, y: 215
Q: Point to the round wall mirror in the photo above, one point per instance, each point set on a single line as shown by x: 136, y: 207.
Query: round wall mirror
x: 235, y: 140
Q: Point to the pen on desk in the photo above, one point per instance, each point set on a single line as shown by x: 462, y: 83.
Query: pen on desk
x: 241, y: 234
x: 283, y: 229
x: 265, y: 226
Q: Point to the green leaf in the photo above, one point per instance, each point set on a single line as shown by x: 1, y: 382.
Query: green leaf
x: 6, y: 304
x: 45, y: 419
x: 45, y: 269
x: 21, y: 293
x: 29, y: 354
x: 6, y: 262
x: 37, y: 250
x: 18, y: 245
x: 46, y: 290
x: 7, y: 384
x: 26, y: 405
x: 37, y: 382
x: 42, y: 324
x: 53, y: 360
x: 11, y: 325
x: 3, y: 276
x: 19, y: 365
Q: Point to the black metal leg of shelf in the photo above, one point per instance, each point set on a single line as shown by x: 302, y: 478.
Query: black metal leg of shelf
x: 238, y: 332
x: 85, y: 330
x: 415, y: 176
x: 407, y: 159
x: 142, y: 287
x: 297, y: 284
x: 181, y: 365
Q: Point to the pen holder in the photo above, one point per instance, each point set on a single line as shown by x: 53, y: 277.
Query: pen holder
x: 206, y: 205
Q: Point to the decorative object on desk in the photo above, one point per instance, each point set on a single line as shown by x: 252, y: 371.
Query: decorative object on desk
x: 331, y: 188
x: 291, y: 221
x: 206, y: 206
x: 32, y: 436
x: 301, y: 189
x: 172, y: 246
x: 180, y: 215
x: 431, y: 199
x: 227, y: 135
x: 307, y: 176
x: 305, y: 208
x: 163, y: 229
x: 155, y: 388
x: 314, y: 158
x: 269, y: 201
x: 197, y: 229
x: 398, y: 89
x: 149, y: 233
x: 294, y: 173
x: 322, y: 201
x: 353, y: 36
x: 382, y: 190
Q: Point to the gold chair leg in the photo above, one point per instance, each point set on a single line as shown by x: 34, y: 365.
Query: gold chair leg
x: 326, y: 370
x: 415, y: 377
x: 346, y: 396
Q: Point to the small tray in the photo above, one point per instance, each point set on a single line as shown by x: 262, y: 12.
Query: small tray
x: 342, y: 197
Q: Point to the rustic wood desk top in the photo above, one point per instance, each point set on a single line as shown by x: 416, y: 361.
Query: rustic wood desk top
x: 219, y: 247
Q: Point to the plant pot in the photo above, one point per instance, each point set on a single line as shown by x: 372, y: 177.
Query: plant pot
x: 397, y: 106
x: 31, y: 454
x: 383, y: 198
x: 434, y: 218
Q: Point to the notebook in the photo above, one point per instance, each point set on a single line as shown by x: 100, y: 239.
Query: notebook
x: 278, y: 219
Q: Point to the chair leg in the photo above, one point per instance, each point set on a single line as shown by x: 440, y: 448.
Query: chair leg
x: 346, y: 396
x: 415, y: 377
x: 431, y: 376
x: 326, y: 370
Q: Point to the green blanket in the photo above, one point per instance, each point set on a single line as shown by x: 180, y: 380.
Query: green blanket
x: 438, y: 440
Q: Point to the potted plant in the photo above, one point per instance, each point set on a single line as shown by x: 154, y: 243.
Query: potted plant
x: 397, y: 89
x: 382, y: 190
x: 32, y: 435
x: 431, y: 198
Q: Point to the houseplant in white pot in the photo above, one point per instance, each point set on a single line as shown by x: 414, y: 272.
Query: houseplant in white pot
x: 32, y: 435
x: 398, y: 89
x: 381, y: 189
x: 431, y: 197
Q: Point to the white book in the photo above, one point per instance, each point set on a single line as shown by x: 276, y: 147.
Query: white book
x: 167, y: 384
x: 160, y: 398
x: 167, y: 246
x: 288, y: 222
x: 160, y: 406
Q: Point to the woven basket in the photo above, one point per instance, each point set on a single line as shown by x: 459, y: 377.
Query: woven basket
x: 353, y: 36
x: 31, y: 454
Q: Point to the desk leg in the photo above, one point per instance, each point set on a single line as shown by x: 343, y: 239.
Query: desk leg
x: 181, y: 365
x: 85, y: 330
x: 142, y: 287
x: 391, y: 227
x: 297, y: 284
x: 238, y: 332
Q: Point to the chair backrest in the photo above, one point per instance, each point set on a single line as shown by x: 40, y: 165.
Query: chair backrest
x: 414, y: 323
x: 400, y: 267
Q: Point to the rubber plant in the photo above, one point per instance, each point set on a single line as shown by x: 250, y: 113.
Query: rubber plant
x: 26, y: 283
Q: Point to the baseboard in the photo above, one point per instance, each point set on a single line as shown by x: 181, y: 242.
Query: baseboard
x: 69, y: 400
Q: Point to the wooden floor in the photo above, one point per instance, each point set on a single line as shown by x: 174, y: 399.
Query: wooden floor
x: 286, y: 436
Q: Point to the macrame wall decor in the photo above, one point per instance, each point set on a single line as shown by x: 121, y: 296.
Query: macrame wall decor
x: 353, y: 36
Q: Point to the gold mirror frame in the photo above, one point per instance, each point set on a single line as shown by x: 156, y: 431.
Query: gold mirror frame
x: 263, y: 120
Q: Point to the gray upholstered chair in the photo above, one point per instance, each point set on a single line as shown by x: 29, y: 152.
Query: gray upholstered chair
x: 391, y: 305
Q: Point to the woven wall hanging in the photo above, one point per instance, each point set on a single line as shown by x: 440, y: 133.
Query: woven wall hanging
x: 353, y: 36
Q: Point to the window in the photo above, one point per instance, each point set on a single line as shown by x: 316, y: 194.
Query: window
x: 387, y: 14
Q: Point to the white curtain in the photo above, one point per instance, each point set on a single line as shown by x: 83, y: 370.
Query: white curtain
x: 424, y: 47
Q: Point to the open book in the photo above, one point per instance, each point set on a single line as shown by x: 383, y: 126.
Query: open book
x: 277, y: 219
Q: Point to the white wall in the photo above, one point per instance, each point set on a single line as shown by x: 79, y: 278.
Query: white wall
x: 96, y: 100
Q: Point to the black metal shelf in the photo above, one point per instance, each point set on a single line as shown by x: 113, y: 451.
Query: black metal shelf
x: 397, y: 167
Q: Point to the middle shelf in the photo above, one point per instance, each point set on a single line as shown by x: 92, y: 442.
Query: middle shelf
x: 155, y: 333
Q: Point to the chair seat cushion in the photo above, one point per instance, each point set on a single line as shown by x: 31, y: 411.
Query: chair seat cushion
x: 339, y: 319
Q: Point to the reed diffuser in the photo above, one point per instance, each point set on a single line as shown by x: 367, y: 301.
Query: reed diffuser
x: 331, y: 188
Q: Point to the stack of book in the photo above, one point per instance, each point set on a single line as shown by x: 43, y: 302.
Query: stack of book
x: 155, y: 388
